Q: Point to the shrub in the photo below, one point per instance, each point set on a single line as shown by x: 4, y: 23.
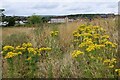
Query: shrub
x: 11, y: 21
x: 34, y: 19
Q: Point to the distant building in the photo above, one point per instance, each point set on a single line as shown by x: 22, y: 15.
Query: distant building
x: 60, y: 19
x: 107, y: 15
x: 3, y: 23
x: 104, y: 16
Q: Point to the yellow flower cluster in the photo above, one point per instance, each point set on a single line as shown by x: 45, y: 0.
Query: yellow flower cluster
x: 94, y: 47
x: 10, y: 55
x: 45, y: 49
x: 110, y: 62
x: 25, y: 49
x: 76, y: 53
x: 92, y: 38
x: 27, y: 45
x: 31, y: 50
x: 6, y: 48
x: 118, y: 71
x: 54, y: 33
x: 110, y: 43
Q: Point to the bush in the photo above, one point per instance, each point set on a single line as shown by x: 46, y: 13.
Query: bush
x: 34, y: 19
x: 11, y: 21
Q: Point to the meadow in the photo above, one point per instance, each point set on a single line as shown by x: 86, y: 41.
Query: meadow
x: 79, y: 49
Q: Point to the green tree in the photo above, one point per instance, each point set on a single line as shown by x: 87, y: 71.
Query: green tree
x: 34, y: 19
x: 11, y: 21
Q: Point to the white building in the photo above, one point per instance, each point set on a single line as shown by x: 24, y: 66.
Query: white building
x: 58, y: 19
x: 3, y: 23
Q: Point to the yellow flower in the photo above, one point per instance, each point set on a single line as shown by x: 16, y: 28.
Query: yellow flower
x: 96, y: 35
x: 111, y: 66
x: 100, y: 58
x: 24, y: 45
x: 86, y: 34
x: 105, y: 36
x: 92, y: 57
x: 82, y: 45
x: 54, y: 33
x: 106, y: 61
x: 77, y: 35
x: 100, y: 46
x: 116, y: 70
x: 113, y: 60
x: 19, y: 53
x: 6, y: 48
x: 44, y: 49
x: 76, y: 53
x: 90, y: 48
x: 110, y: 43
x: 29, y: 58
x: 17, y: 47
x: 29, y: 45
x: 10, y: 55
x: 75, y: 32
x: 20, y: 49
x: 31, y: 50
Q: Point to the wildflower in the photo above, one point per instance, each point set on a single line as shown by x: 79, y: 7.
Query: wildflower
x: 24, y: 45
x: 113, y: 60
x: 110, y: 43
x: 29, y: 45
x: 90, y: 48
x: 54, y: 33
x: 92, y: 57
x: 86, y: 34
x: 106, y: 61
x: 10, y: 55
x: 96, y: 35
x: 118, y: 71
x: 29, y: 58
x: 105, y: 36
x: 19, y: 53
x: 76, y: 53
x: 75, y: 32
x: 6, y: 48
x: 100, y: 58
x: 44, y: 49
x: 77, y: 35
x: 22, y: 49
x: 31, y: 50
x: 82, y: 45
x: 110, y: 66
x: 100, y: 46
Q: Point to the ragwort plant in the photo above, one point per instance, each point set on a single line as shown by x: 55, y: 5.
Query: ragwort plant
x: 94, y: 50
x: 27, y: 58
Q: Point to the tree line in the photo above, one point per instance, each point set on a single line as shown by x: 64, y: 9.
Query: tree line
x: 34, y: 19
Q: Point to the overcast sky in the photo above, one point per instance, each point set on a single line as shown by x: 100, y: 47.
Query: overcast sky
x: 58, y: 7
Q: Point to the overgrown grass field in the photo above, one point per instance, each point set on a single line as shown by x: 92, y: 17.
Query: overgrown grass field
x: 79, y: 49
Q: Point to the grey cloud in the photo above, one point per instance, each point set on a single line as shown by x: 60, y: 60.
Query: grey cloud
x: 46, y: 5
